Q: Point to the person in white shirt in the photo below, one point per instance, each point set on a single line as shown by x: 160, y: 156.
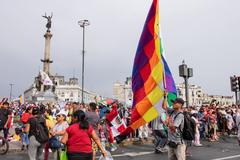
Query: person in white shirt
x: 59, y: 130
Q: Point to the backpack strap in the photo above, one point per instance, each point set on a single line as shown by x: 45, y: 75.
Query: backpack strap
x: 180, y: 125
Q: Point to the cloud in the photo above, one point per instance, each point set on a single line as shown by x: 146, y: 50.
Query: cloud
x: 204, y: 33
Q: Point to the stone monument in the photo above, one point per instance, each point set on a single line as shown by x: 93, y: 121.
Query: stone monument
x: 46, y: 92
x: 46, y: 61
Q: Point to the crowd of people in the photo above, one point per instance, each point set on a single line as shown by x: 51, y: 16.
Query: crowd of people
x: 82, y: 130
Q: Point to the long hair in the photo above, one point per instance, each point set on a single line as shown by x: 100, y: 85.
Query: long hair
x: 81, y: 118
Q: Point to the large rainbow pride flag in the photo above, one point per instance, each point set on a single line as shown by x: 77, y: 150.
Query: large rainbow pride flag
x: 151, y: 74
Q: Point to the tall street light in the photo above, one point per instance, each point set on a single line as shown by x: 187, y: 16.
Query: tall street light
x: 83, y: 24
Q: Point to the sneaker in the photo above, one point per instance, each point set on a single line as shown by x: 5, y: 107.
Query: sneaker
x: 188, y: 155
x: 23, y: 147
x: 162, y: 150
x: 157, y: 151
x: 113, y: 148
x: 198, y: 145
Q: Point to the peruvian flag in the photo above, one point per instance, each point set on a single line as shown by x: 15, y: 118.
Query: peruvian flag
x: 118, y: 123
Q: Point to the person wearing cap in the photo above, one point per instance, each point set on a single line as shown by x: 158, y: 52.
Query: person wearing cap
x: 177, y: 146
x: 59, y: 130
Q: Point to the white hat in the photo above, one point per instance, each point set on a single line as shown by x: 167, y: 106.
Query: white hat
x: 62, y: 112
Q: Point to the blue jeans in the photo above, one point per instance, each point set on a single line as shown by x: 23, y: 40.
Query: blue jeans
x: 161, y: 138
x: 202, y: 131
x: 25, y: 139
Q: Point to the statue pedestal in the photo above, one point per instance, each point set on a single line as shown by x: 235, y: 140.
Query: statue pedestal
x: 45, y: 96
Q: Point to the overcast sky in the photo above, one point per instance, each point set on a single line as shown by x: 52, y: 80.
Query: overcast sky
x: 205, y: 33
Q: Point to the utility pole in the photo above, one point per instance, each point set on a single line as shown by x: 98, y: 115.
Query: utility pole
x: 11, y: 86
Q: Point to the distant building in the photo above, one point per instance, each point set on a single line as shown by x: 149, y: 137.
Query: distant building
x: 66, y: 91
x: 197, y: 97
x: 222, y: 100
x: 123, y: 91
x: 71, y: 91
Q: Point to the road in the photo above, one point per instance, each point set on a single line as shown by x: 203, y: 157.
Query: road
x: 226, y: 148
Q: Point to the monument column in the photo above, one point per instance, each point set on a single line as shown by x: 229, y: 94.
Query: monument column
x: 46, y: 61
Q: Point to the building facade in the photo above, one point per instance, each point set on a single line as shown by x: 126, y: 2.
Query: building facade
x: 123, y: 91
x: 197, y: 97
x: 66, y: 91
x: 71, y: 91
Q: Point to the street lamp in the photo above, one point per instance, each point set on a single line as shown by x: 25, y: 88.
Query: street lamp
x: 11, y: 86
x: 83, y: 24
x: 186, y: 73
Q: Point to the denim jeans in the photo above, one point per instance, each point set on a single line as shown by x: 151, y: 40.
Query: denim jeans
x: 160, y: 137
x: 25, y: 139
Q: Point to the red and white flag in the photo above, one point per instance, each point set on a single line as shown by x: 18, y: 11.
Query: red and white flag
x: 118, y: 124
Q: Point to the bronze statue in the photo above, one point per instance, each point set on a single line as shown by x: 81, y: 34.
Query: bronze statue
x: 49, y: 21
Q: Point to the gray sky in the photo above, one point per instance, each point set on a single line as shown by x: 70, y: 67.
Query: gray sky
x: 203, y: 32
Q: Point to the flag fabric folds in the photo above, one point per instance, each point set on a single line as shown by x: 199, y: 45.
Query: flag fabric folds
x: 21, y: 99
x: 149, y: 71
x: 169, y: 83
x: 45, y: 79
x: 118, y: 123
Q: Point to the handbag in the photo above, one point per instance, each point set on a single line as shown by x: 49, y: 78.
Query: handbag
x: 54, y: 143
x: 63, y: 155
x: 172, y: 144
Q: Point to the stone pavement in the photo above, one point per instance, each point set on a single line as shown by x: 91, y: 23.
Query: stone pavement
x: 225, y: 149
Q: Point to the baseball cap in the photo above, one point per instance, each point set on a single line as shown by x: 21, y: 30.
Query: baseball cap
x: 178, y: 100
x: 62, y: 112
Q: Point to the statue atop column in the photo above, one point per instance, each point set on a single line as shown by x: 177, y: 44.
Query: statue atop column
x: 49, y: 21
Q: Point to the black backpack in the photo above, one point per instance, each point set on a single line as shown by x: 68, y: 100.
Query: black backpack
x: 41, y: 133
x: 188, y: 132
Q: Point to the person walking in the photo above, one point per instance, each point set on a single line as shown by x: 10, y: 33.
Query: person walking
x: 24, y: 119
x: 35, y: 127
x: 177, y: 146
x: 5, y: 118
x: 93, y: 119
x: 160, y: 133
x: 78, y: 138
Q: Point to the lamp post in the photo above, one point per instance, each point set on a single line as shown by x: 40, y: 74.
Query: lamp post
x: 83, y: 24
x: 11, y: 86
x: 186, y: 73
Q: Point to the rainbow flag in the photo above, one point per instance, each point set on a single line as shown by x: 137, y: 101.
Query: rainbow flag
x: 169, y: 83
x: 151, y: 74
